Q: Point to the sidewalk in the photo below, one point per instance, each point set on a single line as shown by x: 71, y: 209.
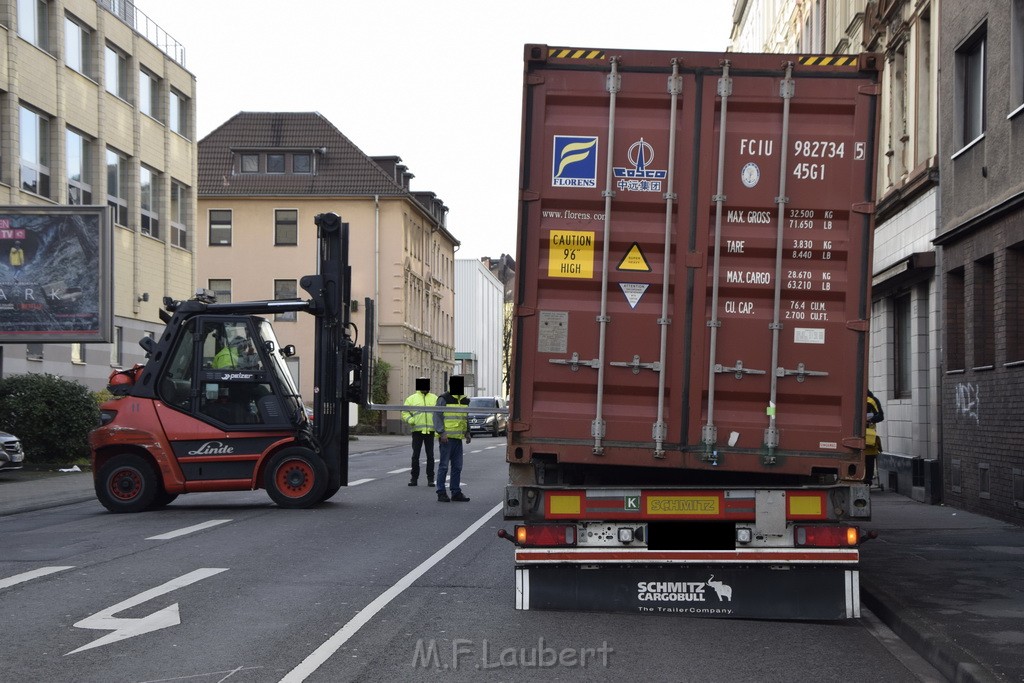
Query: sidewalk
x: 948, y: 582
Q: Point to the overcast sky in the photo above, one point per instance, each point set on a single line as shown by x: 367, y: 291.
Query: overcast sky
x: 438, y: 83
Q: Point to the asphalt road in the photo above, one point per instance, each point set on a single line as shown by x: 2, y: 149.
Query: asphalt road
x: 382, y: 583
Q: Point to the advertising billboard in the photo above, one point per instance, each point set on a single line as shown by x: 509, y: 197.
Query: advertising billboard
x: 55, y: 274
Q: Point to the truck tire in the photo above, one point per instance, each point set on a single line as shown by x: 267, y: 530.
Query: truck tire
x: 127, y: 483
x: 296, y: 478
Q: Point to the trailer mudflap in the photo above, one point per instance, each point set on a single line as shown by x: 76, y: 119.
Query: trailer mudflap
x: 804, y: 592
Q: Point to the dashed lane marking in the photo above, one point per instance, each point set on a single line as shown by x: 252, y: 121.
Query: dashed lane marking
x: 188, y: 530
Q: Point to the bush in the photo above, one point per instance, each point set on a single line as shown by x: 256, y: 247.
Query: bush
x: 51, y: 415
x: 370, y: 421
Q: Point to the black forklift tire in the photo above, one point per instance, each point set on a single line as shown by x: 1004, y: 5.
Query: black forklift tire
x: 329, y: 493
x: 127, y: 483
x: 163, y: 499
x: 296, y: 478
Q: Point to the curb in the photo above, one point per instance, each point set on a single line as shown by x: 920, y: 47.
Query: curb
x: 951, y: 660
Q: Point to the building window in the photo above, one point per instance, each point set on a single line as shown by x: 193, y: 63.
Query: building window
x: 115, y: 347
x: 903, y: 352
x: 984, y: 313
x: 78, y: 353
x: 220, y: 227
x: 149, y: 186
x: 116, y: 72
x: 275, y: 163
x: 177, y: 117
x: 117, y: 187
x: 955, y: 320
x: 178, y: 217
x: 35, y: 152
x: 221, y: 289
x: 79, y: 167
x: 1014, y: 310
x: 1018, y: 487
x: 149, y: 94
x: 250, y: 163
x: 286, y: 227
x: 924, y: 147
x: 984, y: 484
x: 970, y: 72
x: 285, y: 289
x: 1017, y: 55
x: 78, y: 47
x: 33, y: 24
x: 302, y: 163
x: 34, y: 351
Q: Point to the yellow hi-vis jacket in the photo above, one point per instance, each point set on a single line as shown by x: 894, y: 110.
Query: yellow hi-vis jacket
x: 419, y: 420
x: 454, y: 425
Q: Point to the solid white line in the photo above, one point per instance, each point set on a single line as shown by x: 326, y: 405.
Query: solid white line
x: 404, y: 469
x: 357, y: 482
x: 28, y: 576
x: 325, y: 651
x: 188, y: 530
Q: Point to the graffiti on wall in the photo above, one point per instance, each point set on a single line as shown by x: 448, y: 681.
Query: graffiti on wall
x: 968, y: 401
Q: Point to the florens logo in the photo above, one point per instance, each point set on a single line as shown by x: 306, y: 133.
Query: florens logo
x: 575, y: 161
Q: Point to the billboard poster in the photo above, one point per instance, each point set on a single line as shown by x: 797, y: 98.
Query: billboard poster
x: 55, y: 274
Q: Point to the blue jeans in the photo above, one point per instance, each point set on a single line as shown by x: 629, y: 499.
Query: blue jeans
x: 451, y: 452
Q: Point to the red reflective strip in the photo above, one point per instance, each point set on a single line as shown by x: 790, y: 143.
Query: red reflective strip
x: 690, y: 556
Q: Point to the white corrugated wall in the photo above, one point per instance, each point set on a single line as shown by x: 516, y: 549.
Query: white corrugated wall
x: 478, y: 323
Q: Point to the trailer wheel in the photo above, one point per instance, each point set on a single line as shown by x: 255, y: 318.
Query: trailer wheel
x: 127, y: 483
x: 296, y: 478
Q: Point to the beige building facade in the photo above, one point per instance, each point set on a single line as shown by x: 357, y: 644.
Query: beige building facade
x: 92, y: 112
x: 263, y: 179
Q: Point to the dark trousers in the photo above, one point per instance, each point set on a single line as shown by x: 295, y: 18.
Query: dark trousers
x: 426, y: 442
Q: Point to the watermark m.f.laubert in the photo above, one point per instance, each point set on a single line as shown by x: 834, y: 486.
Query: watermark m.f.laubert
x: 466, y: 654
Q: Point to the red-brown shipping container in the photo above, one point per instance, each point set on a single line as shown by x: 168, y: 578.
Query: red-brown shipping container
x: 695, y: 239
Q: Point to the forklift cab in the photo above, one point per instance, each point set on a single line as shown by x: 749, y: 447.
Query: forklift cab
x: 230, y: 371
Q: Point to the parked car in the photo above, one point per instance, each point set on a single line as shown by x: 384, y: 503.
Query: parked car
x: 11, y: 455
x: 484, y: 422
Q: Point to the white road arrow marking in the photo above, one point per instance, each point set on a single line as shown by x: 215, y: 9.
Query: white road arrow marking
x: 126, y: 627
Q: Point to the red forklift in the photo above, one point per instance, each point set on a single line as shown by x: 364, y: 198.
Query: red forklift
x: 215, y: 408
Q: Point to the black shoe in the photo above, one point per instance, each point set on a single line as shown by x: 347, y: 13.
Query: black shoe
x: 412, y: 483
x: 459, y: 497
x: 430, y: 482
x: 442, y: 497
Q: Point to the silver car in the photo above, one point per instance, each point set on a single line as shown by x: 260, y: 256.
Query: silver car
x: 11, y: 455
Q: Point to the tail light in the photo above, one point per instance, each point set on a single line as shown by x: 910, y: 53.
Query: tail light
x: 546, y: 535
x: 840, y: 536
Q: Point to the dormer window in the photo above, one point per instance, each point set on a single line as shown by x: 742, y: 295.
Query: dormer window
x: 276, y: 162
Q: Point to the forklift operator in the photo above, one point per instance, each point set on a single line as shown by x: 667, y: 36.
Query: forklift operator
x: 239, y: 353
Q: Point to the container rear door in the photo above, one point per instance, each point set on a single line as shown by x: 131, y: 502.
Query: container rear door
x: 669, y: 318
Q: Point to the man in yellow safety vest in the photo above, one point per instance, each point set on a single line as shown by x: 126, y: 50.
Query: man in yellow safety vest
x: 452, y: 428
x: 422, y: 424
